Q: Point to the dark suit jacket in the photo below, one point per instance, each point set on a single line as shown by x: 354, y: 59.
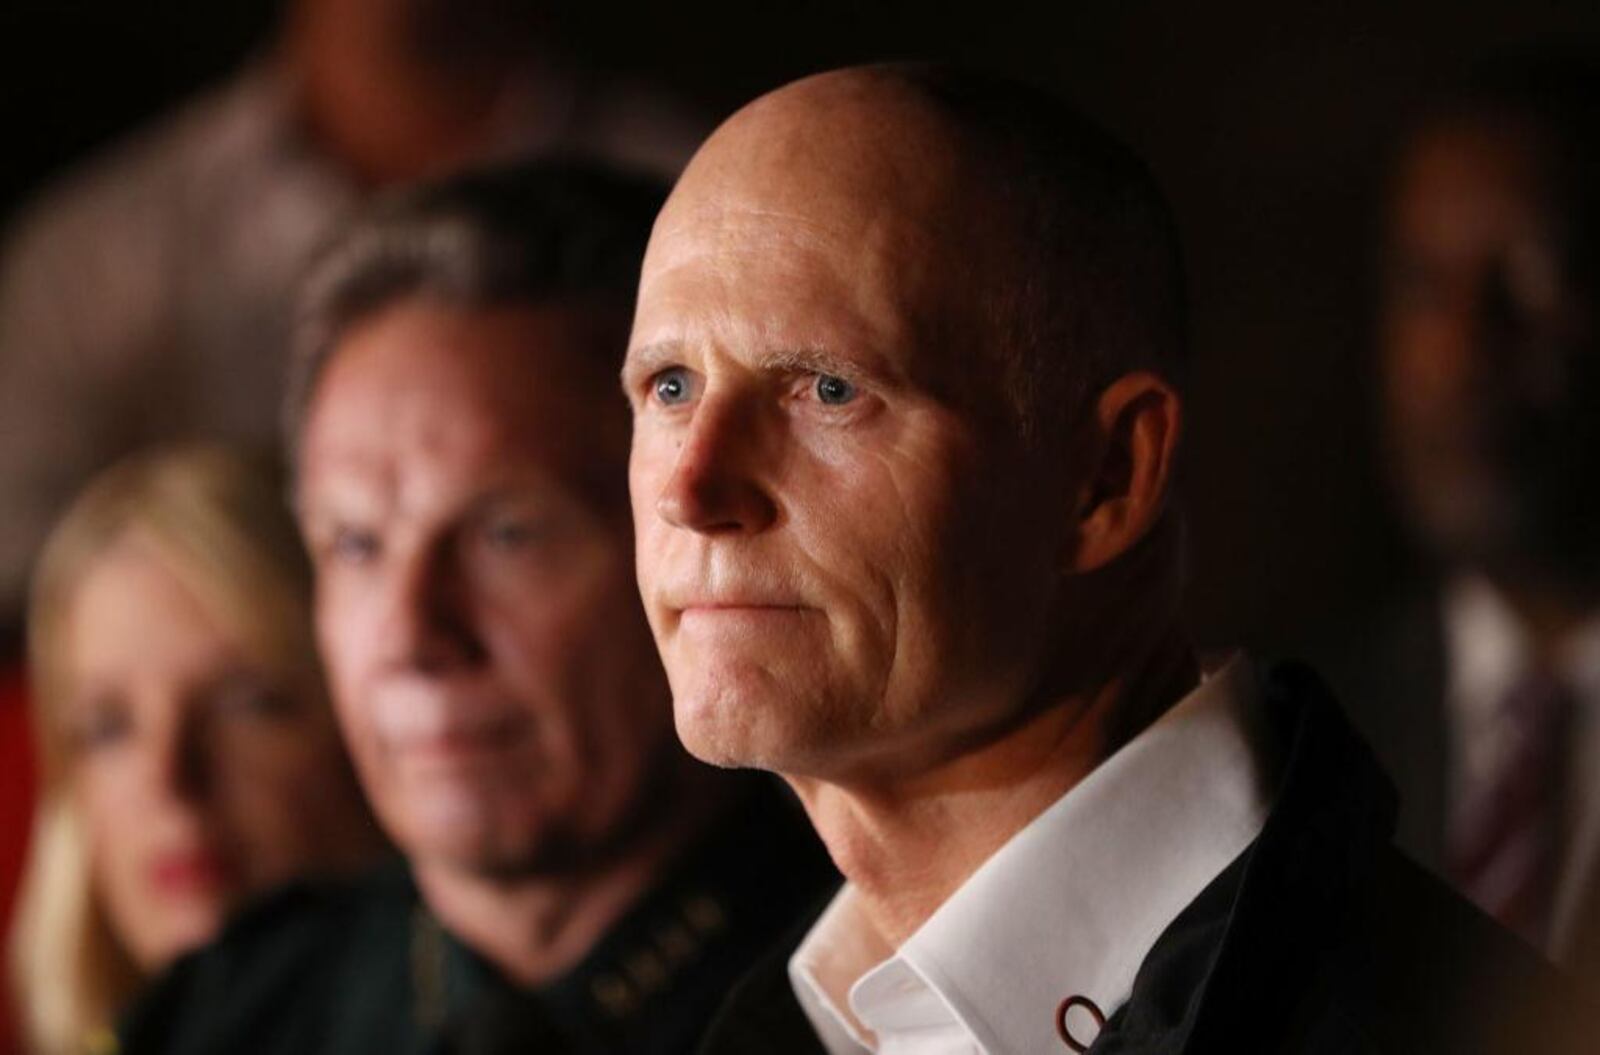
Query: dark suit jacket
x: 1321, y: 937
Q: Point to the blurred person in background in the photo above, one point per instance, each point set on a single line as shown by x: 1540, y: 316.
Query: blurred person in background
x: 189, y: 756
x: 144, y: 298
x: 1482, y: 689
x: 574, y: 881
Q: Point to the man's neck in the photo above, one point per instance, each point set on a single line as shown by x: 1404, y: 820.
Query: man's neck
x: 536, y: 927
x: 907, y: 845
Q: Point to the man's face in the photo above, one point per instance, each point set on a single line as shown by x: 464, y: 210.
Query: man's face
x: 461, y: 480
x: 1491, y: 377
x: 835, y: 545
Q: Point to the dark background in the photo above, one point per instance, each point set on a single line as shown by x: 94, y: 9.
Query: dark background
x: 1269, y: 125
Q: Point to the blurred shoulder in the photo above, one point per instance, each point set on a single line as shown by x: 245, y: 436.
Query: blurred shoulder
x: 98, y: 252
x: 284, y: 972
x: 1422, y: 969
x: 145, y: 177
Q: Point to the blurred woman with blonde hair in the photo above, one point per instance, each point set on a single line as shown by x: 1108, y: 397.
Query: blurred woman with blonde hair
x: 188, y: 756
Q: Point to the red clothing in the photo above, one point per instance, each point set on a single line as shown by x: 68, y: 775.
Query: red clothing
x: 16, y: 816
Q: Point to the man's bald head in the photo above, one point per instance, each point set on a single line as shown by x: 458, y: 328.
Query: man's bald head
x: 904, y: 432
x: 1057, y: 251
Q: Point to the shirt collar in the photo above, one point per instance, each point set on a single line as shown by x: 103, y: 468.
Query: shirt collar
x: 1073, y: 903
x: 1490, y: 652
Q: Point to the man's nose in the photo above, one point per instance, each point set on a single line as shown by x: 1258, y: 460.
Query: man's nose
x: 427, y: 623
x: 716, y: 485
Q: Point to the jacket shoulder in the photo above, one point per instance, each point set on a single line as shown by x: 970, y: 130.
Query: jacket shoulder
x: 281, y: 972
x: 761, y: 1012
x: 1421, y: 969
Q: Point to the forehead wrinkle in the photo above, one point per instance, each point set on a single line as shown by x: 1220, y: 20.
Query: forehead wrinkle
x: 708, y: 259
x: 750, y: 226
x: 912, y: 237
x: 717, y: 244
x: 397, y: 499
x: 426, y: 455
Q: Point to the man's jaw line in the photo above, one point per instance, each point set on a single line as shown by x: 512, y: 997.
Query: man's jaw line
x: 909, y: 839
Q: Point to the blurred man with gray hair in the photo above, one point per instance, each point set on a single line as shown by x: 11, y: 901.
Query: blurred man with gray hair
x: 573, y: 881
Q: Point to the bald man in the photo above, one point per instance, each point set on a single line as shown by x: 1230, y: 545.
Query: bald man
x: 907, y: 381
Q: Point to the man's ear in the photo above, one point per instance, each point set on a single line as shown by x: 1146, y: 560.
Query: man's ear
x: 1132, y: 446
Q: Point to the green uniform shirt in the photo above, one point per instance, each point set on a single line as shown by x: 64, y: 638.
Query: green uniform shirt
x: 365, y: 969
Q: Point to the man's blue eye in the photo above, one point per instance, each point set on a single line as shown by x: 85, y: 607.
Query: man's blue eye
x: 672, y: 386
x: 834, y: 391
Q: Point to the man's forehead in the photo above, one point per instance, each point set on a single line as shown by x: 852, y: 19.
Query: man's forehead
x: 381, y: 410
x: 729, y: 242
x: 721, y: 240
x: 426, y: 498
x: 782, y: 285
x: 441, y: 423
x: 847, y: 202
x: 421, y: 461
x: 804, y: 244
x: 1462, y: 184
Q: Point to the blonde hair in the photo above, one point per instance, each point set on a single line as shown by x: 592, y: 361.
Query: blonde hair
x: 217, y: 518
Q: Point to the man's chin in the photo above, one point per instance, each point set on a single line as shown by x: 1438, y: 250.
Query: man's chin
x: 717, y: 728
x: 716, y: 740
x: 451, y: 827
x: 475, y: 853
x: 714, y: 747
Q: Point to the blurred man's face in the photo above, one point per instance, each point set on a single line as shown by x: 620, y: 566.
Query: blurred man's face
x: 461, y: 491
x: 833, y: 548
x: 1491, y: 371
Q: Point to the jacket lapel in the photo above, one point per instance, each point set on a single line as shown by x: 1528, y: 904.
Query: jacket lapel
x: 1230, y: 973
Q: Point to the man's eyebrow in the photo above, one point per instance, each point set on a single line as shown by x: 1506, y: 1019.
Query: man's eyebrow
x: 806, y: 361
x: 646, y: 359
x: 338, y: 504
x: 820, y: 360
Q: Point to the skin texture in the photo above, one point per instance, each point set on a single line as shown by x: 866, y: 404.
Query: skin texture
x: 857, y: 572
x: 203, y: 776
x: 461, y: 489
x: 1491, y: 377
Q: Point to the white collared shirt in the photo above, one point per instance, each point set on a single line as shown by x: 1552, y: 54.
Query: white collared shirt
x: 1070, y: 906
x: 1488, y: 653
